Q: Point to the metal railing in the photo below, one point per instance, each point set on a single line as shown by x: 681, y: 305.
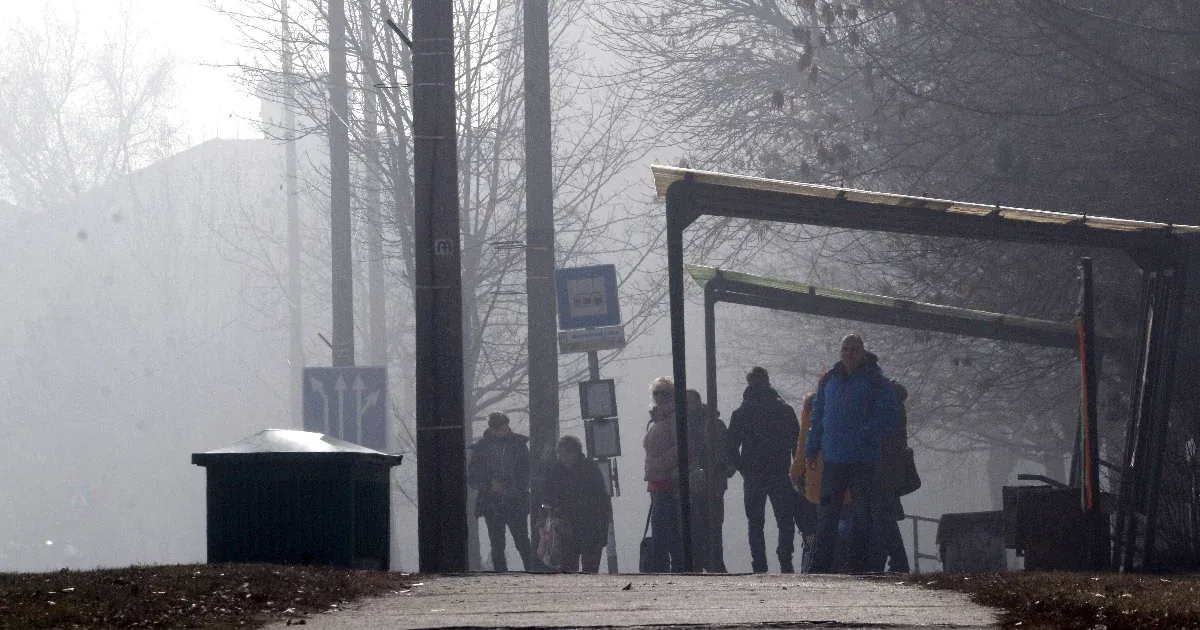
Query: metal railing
x: 917, y: 555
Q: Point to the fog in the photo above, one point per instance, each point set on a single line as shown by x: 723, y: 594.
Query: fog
x: 144, y: 268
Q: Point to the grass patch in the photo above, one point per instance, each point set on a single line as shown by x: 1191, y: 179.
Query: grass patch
x: 1098, y: 601
x: 183, y: 596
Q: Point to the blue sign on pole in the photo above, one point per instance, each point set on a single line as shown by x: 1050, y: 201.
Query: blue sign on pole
x: 348, y: 403
x: 587, y: 297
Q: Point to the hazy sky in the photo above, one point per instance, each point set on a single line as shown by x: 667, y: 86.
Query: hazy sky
x: 201, y: 40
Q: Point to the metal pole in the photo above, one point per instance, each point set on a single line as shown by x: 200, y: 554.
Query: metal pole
x: 1096, y: 534
x: 441, y: 457
x: 296, y: 339
x: 1171, y: 306
x: 611, y: 546
x: 916, y: 549
x: 710, y: 341
x: 339, y: 191
x: 1126, y: 530
x: 539, y: 253
x: 676, y: 223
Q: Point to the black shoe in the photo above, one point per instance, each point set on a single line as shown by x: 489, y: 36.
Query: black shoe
x: 785, y: 566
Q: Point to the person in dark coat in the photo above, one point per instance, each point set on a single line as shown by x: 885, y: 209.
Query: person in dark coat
x: 711, y: 469
x: 499, y: 472
x: 855, y: 407
x: 761, y: 444
x: 576, y: 493
x: 887, y: 511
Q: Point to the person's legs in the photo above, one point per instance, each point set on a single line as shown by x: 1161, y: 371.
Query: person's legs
x: 518, y: 523
x: 783, y: 504
x: 570, y: 561
x: 664, y: 521
x: 877, y: 555
x: 590, y: 560
x: 835, y: 478
x: 495, y: 526
x: 861, y: 481
x: 716, y: 526
x: 893, y: 544
x: 700, y: 542
x: 675, y: 542
x: 754, y: 498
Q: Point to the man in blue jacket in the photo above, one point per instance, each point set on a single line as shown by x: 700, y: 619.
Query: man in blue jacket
x: 855, y: 407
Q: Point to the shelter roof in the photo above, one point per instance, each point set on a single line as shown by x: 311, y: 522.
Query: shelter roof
x: 779, y: 294
x: 724, y: 194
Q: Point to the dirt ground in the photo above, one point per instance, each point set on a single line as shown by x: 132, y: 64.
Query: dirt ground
x: 1101, y: 601
x: 250, y: 596
x: 186, y: 596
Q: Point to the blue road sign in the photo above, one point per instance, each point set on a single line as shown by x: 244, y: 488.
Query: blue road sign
x: 348, y: 403
x: 587, y: 297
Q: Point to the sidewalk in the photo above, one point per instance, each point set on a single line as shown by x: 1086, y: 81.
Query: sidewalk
x: 722, y: 601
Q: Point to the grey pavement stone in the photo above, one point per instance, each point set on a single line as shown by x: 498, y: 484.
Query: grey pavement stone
x: 488, y: 600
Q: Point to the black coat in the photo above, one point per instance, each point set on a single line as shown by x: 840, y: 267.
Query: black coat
x: 762, y: 433
x: 499, y: 472
x: 583, y: 503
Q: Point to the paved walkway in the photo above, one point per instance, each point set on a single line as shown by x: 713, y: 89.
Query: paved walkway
x: 488, y: 600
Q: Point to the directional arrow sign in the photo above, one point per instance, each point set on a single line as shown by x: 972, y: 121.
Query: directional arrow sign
x: 348, y: 403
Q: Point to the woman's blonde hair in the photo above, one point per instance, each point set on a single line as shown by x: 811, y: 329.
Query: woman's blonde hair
x: 661, y: 381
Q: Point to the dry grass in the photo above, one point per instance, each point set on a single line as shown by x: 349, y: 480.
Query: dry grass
x: 186, y: 596
x: 1080, y: 600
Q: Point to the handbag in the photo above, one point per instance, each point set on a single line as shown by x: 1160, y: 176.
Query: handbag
x: 909, y: 480
x: 549, y: 549
x: 806, y: 513
x: 646, y: 549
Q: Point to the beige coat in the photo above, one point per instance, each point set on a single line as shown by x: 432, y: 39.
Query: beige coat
x: 662, y: 461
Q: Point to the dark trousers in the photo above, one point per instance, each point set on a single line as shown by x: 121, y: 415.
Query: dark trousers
x: 890, y: 553
x: 586, y: 561
x: 887, y: 549
x: 715, y: 526
x: 516, y: 521
x: 757, y: 488
x: 835, y: 479
x: 666, y: 544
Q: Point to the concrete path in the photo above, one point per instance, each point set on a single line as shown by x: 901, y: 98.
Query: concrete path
x: 488, y: 600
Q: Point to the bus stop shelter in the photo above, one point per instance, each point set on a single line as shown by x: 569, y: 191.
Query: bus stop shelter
x: 721, y: 285
x: 1162, y: 251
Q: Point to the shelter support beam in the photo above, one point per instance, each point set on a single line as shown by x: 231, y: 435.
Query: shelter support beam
x: 710, y: 341
x: 1137, y: 516
x: 680, y: 214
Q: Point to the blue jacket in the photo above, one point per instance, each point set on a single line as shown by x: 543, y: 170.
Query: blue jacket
x: 852, y: 413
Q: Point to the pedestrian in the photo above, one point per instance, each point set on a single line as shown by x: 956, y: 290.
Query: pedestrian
x: 578, y: 497
x: 499, y: 472
x: 762, y: 441
x: 887, y: 511
x: 662, y: 477
x: 709, y: 458
x: 854, y: 408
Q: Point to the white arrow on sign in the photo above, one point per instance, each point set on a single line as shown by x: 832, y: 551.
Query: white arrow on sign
x: 319, y: 387
x: 363, y: 406
x: 340, y: 386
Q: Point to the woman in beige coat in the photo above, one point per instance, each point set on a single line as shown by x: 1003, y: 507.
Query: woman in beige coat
x: 662, y: 476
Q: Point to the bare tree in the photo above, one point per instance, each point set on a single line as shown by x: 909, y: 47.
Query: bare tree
x: 1059, y: 105
x: 596, y: 141
x: 75, y: 113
